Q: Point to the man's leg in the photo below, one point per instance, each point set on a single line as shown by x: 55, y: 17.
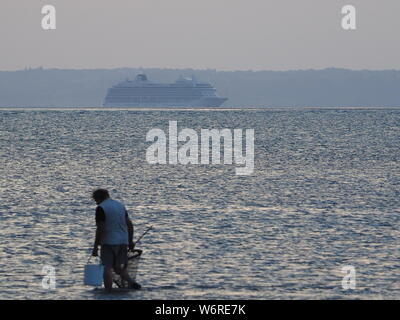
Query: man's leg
x: 107, y: 259
x: 107, y: 278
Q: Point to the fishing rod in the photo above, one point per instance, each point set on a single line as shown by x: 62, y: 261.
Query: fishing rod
x: 144, y: 233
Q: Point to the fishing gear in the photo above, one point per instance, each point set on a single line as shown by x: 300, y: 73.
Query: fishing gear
x: 144, y: 233
x: 133, y: 263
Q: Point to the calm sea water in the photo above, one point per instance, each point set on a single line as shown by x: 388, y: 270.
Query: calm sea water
x: 325, y: 193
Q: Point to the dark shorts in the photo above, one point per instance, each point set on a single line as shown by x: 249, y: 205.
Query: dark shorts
x: 114, y: 255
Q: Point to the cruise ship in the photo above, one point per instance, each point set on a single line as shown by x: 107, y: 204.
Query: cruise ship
x: 143, y: 93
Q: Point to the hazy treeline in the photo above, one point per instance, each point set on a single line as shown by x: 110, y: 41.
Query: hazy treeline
x: 325, y: 88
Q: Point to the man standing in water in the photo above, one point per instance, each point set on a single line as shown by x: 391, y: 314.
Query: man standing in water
x: 114, y: 234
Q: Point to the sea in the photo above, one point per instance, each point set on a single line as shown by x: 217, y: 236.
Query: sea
x: 318, y: 218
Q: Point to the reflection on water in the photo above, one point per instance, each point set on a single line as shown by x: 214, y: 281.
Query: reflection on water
x: 324, y: 194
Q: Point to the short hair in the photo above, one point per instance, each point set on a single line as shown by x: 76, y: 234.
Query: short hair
x: 100, y: 194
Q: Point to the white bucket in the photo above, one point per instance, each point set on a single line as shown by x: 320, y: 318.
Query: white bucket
x: 93, y: 274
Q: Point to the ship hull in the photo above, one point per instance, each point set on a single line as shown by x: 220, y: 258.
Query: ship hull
x: 209, y: 102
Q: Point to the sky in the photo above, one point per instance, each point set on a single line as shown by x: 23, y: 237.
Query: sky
x: 201, y: 34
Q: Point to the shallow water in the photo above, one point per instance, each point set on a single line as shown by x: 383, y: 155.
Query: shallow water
x: 325, y: 193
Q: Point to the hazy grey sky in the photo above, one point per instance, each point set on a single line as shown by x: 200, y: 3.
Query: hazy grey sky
x: 220, y: 34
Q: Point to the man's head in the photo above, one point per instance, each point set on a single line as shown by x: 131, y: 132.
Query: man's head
x: 100, y: 195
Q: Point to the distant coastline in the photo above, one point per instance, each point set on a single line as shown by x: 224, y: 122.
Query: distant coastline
x: 326, y: 88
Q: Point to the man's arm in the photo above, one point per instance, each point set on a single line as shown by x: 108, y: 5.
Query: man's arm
x: 100, y: 227
x: 130, y: 231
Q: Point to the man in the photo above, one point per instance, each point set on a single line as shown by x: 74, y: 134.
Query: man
x: 114, y: 233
